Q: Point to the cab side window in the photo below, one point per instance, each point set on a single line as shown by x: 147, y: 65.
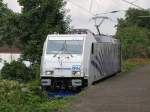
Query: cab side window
x: 92, y: 48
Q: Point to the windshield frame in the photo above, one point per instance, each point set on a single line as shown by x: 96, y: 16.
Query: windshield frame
x: 64, y: 48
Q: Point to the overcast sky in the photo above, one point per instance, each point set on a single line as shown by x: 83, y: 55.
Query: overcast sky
x: 81, y: 13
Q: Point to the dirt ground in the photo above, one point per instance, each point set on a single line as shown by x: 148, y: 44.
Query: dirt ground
x: 125, y: 92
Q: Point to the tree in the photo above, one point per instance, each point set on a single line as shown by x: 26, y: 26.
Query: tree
x: 28, y: 29
x: 134, y: 17
x: 134, y: 33
x: 8, y: 26
x: 38, y: 19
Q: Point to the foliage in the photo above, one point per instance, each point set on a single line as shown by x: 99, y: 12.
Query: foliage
x: 6, y: 85
x: 28, y: 29
x: 134, y: 33
x: 15, y: 100
x: 134, y: 17
x: 16, y: 71
x: 8, y: 26
x: 131, y: 63
x: 36, y: 71
x: 135, y: 41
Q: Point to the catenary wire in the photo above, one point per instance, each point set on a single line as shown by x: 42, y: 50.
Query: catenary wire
x: 83, y: 9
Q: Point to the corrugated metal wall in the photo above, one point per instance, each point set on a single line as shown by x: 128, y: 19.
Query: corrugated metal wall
x: 105, y: 60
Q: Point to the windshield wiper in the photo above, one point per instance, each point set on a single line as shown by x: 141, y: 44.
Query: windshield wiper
x: 61, y: 50
x: 67, y: 50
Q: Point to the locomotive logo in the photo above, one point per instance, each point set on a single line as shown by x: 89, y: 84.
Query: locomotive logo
x: 76, y: 68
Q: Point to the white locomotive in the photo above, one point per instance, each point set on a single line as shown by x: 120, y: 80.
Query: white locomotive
x: 78, y: 59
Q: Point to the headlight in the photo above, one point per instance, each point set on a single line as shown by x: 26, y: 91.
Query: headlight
x: 49, y: 72
x: 76, y: 73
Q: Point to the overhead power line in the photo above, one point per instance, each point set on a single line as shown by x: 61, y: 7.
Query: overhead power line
x: 98, y: 2
x: 91, y: 3
x: 112, y: 12
x: 137, y: 7
x: 80, y: 7
x: 132, y: 3
x: 90, y: 6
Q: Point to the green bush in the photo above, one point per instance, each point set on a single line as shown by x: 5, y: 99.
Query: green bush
x: 14, y: 99
x: 7, y: 86
x: 16, y: 71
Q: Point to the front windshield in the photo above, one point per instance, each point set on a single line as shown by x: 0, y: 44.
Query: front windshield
x: 65, y: 46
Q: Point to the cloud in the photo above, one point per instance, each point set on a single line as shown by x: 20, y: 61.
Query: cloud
x: 81, y: 17
x: 13, y: 4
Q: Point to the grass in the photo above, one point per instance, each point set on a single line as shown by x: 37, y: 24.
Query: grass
x: 132, y: 63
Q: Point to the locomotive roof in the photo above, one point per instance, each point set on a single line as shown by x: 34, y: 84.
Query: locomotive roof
x: 105, y: 38
x: 98, y: 38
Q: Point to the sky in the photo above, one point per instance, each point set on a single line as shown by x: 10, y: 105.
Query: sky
x: 82, y: 11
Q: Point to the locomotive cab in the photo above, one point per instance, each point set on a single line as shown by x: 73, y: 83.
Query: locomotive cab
x: 62, y: 61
